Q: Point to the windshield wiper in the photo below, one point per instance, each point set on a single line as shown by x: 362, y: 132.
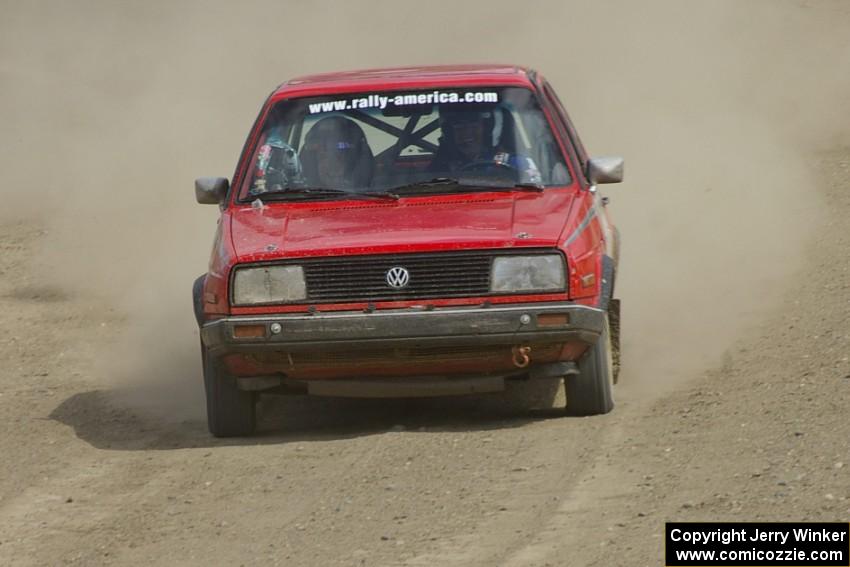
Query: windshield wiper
x: 448, y: 182
x: 452, y: 183
x: 323, y: 191
x: 536, y: 187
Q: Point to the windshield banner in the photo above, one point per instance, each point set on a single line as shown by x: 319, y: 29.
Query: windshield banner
x: 382, y: 101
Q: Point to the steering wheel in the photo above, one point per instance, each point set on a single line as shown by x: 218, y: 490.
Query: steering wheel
x: 284, y: 165
x: 484, y: 166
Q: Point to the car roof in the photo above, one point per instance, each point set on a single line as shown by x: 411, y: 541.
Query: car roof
x: 394, y: 78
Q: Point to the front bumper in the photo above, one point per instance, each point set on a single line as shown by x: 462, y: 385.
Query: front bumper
x: 456, y: 326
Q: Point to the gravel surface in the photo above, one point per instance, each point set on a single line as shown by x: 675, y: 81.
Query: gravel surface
x: 472, y: 481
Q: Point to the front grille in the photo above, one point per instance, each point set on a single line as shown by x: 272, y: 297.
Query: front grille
x: 343, y: 279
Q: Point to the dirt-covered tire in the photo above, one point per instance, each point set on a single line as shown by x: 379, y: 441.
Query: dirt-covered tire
x: 614, y: 328
x: 590, y: 391
x: 231, y: 412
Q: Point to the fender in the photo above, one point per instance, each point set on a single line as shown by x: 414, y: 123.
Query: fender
x: 197, y: 299
x: 609, y: 271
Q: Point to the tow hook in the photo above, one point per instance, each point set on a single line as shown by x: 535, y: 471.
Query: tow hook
x: 521, y: 356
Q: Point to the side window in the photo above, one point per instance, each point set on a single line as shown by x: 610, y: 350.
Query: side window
x: 556, y: 102
x: 533, y: 137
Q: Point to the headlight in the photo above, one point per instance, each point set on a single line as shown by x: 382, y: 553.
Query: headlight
x: 268, y: 284
x: 545, y: 272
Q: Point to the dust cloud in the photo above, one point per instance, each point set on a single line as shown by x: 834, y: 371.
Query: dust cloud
x: 111, y: 109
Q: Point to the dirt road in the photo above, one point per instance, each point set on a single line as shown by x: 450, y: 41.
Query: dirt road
x: 87, y: 480
x: 737, y: 343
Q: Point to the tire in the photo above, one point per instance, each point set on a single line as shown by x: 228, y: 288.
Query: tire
x: 231, y: 412
x: 590, y: 392
x: 614, y: 327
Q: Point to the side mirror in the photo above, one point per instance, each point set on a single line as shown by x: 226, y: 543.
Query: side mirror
x: 211, y: 190
x: 607, y: 169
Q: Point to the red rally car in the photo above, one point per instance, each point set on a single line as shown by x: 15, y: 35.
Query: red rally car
x: 421, y: 231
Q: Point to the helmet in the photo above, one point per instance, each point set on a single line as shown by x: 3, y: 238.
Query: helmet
x: 469, y: 128
x: 336, y: 153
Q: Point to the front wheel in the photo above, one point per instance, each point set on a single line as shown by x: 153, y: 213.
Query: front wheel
x: 590, y: 391
x: 231, y: 412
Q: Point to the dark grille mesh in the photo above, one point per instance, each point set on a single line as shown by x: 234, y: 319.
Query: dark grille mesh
x: 345, y: 279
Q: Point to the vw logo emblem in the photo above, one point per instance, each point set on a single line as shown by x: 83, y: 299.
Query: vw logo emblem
x: 398, y: 277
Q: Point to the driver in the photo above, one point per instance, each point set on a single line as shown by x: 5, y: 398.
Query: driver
x: 472, y: 142
x: 336, y: 155
x: 467, y: 137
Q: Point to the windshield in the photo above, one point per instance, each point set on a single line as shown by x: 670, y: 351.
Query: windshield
x: 384, y: 141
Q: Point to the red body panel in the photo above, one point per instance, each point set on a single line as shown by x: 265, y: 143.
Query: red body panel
x: 440, y: 222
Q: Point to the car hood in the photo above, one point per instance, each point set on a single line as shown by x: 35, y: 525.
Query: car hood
x: 491, y: 220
